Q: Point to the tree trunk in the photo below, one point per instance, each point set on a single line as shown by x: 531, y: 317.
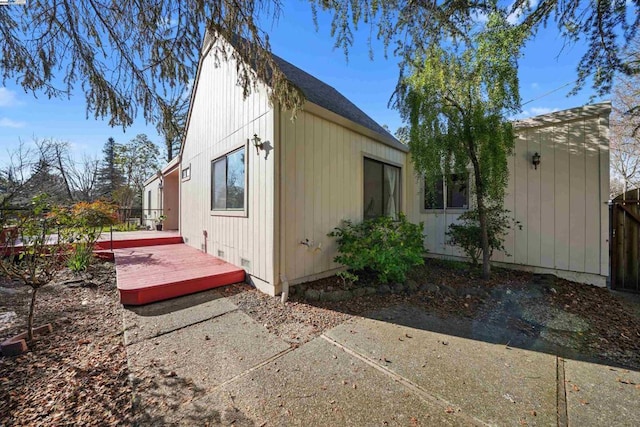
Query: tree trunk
x: 32, y: 309
x: 484, y: 239
x: 482, y: 213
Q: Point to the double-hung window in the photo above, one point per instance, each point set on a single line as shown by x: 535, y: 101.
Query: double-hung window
x: 228, y: 181
x: 381, y: 189
x: 452, y: 193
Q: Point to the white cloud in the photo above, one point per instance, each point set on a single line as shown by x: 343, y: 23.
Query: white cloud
x: 516, y: 16
x: 8, y: 98
x: 8, y: 123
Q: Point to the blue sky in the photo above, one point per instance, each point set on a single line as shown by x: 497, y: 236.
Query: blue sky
x: 546, y: 66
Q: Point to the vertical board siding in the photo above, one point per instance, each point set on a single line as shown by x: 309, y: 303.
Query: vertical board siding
x: 532, y: 194
x: 547, y: 196
x: 603, y: 152
x: 222, y: 121
x: 577, y: 193
x: 561, y: 207
x: 562, y: 204
x: 592, y: 198
x: 322, y: 185
x: 520, y: 176
x: 148, y: 220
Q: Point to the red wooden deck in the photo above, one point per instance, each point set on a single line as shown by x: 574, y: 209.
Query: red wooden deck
x: 135, y: 239
x: 154, y: 273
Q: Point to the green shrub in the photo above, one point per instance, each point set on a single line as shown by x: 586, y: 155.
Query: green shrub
x: 382, y: 245
x: 467, y: 234
x: 80, y: 258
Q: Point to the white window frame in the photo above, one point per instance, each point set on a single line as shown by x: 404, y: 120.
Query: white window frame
x: 244, y: 212
x: 186, y: 169
x: 445, y: 195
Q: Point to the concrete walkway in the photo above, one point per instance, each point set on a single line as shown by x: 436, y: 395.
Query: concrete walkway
x: 199, y: 360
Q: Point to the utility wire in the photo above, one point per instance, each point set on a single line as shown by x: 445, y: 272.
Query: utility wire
x: 548, y: 93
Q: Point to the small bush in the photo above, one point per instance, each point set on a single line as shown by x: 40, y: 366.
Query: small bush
x: 467, y: 234
x: 387, y: 247
x: 80, y: 258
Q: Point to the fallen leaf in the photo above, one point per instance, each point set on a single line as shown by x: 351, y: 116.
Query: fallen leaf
x: 576, y: 388
x: 449, y: 410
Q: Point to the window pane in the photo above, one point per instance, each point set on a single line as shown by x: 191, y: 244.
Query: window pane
x: 391, y: 191
x: 458, y: 191
x: 235, y: 180
x: 435, y: 198
x: 373, y: 189
x: 218, y: 185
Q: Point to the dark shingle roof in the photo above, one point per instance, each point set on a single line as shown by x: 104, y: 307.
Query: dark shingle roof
x: 325, y: 96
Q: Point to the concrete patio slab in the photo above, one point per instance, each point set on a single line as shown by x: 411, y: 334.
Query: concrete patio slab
x: 172, y: 369
x: 600, y: 395
x: 147, y: 321
x: 494, y: 383
x: 319, y: 384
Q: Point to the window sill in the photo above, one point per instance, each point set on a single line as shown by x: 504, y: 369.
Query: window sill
x: 230, y: 213
x: 445, y: 211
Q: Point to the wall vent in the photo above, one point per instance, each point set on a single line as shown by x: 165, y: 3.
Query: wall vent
x: 220, y: 254
x: 245, y: 263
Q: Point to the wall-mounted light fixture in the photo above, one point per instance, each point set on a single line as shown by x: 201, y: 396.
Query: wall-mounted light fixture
x: 535, y: 160
x: 257, y: 142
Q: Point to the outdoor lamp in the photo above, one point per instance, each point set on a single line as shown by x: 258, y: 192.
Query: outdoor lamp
x: 257, y: 142
x: 535, y: 160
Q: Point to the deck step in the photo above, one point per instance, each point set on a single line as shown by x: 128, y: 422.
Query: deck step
x: 105, y: 245
x: 147, y: 274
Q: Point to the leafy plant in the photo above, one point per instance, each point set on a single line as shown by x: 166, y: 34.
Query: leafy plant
x: 467, y: 234
x: 81, y: 257
x: 84, y: 223
x: 33, y: 255
x: 387, y: 247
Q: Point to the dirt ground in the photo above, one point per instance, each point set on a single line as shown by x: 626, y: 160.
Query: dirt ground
x: 78, y: 374
x: 578, y: 320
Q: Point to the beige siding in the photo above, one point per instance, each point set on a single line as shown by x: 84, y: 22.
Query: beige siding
x: 222, y: 121
x: 322, y: 183
x: 151, y: 211
x: 170, y: 202
x: 561, y: 206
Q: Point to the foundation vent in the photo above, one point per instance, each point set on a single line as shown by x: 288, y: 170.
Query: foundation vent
x: 220, y: 254
x: 245, y: 263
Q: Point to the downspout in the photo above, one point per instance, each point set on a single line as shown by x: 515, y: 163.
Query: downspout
x: 281, y: 261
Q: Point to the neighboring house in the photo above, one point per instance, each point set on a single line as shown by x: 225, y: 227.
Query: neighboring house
x: 269, y: 210
x: 161, y: 197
